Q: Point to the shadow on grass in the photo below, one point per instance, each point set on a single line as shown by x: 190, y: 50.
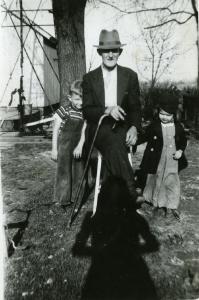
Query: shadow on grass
x: 115, y: 239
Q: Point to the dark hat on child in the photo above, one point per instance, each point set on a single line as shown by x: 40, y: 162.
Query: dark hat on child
x: 168, y: 102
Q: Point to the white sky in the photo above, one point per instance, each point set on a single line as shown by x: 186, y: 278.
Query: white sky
x: 185, y: 66
x: 97, y: 17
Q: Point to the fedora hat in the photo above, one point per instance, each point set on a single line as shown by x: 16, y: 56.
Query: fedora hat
x: 109, y: 40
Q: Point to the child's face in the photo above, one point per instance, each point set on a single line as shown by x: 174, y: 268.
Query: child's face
x: 76, y: 101
x: 165, y: 117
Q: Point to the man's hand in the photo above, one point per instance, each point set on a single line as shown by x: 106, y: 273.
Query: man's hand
x: 131, y: 136
x: 177, y: 155
x: 116, y: 112
x: 77, y: 152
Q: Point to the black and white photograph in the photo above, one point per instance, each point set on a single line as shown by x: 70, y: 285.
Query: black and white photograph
x: 99, y: 150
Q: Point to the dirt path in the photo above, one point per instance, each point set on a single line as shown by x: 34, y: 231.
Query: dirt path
x: 42, y: 265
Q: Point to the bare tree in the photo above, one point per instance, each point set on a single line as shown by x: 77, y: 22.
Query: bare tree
x: 69, y: 24
x: 180, y: 17
x: 171, y: 11
x: 158, y: 53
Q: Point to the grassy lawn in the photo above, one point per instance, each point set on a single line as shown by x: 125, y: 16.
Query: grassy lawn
x: 53, y: 262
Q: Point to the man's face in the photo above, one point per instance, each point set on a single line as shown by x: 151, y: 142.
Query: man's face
x: 110, y: 57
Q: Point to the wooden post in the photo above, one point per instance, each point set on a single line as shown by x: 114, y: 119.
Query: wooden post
x: 21, y: 90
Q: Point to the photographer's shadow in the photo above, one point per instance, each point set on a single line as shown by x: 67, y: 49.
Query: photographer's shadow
x: 116, y: 240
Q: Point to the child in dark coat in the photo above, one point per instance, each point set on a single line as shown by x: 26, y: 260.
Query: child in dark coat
x: 164, y: 157
x: 67, y: 145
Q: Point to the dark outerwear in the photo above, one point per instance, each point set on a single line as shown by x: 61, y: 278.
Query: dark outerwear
x: 127, y: 97
x: 153, y: 137
x: 111, y: 142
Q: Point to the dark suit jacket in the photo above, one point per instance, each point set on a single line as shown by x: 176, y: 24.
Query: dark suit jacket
x: 153, y: 137
x: 127, y: 96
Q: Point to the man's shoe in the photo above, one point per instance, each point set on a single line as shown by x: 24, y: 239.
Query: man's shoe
x: 139, y: 201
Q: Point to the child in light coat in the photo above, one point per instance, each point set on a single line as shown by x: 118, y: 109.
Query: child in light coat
x: 164, y: 157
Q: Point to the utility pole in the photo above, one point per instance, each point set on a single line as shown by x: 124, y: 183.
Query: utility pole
x: 21, y: 90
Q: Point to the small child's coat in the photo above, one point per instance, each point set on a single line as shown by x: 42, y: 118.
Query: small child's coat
x: 158, y: 169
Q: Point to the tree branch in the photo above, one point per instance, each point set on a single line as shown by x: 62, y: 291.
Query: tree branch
x: 193, y: 2
x: 169, y: 21
x: 146, y: 9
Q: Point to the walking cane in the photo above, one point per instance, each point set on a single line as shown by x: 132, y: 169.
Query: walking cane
x: 130, y: 155
x: 74, y: 210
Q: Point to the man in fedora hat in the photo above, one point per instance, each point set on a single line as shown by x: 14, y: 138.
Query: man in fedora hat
x: 113, y: 90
